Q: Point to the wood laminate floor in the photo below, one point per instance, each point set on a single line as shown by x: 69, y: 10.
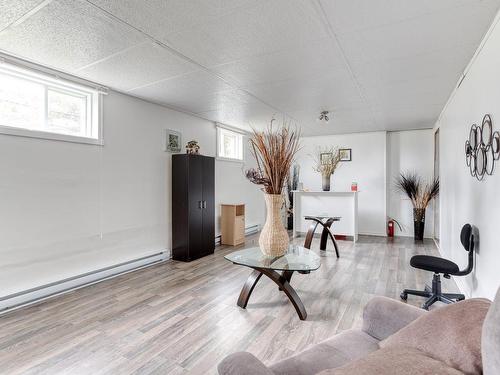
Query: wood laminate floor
x: 182, y: 318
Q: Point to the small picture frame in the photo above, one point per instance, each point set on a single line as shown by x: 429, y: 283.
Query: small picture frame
x: 326, y: 158
x: 345, y: 154
x: 173, y: 141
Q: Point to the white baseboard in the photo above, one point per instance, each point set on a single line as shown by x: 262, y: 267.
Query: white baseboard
x: 43, y: 292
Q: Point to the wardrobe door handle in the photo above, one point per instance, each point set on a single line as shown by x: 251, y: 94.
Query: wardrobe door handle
x: 199, y: 205
x: 204, y: 204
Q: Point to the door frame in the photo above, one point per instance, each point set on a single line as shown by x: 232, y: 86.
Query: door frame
x: 436, y: 202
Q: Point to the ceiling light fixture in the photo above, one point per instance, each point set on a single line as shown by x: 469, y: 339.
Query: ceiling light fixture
x: 324, y: 116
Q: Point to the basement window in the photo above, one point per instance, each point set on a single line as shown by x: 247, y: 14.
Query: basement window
x: 39, y: 105
x: 229, y: 144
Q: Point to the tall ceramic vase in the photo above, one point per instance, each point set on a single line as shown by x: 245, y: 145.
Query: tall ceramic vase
x: 418, y: 223
x: 325, y: 182
x: 273, y: 240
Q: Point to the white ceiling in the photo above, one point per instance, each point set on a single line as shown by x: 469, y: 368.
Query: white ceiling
x: 376, y: 64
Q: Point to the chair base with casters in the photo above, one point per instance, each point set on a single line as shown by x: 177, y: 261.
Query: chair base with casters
x: 468, y: 237
x: 433, y: 294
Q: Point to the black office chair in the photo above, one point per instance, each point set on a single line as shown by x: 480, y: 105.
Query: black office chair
x: 440, y: 265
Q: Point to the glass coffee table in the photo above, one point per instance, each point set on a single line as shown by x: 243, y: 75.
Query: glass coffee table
x: 296, y: 259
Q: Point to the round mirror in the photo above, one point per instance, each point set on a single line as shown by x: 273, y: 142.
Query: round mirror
x: 486, y: 131
x: 472, y: 165
x: 490, y: 161
x: 473, y: 139
x: 495, y: 145
x: 480, y: 162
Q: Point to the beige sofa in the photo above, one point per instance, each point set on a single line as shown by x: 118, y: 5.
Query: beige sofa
x: 396, y: 338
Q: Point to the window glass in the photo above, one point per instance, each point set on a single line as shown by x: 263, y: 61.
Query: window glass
x: 35, y: 104
x: 230, y: 144
x: 66, y: 113
x: 21, y: 103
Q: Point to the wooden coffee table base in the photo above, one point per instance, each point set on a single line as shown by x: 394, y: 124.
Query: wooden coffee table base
x: 283, y: 282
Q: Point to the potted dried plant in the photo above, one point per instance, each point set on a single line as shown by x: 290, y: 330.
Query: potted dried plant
x: 274, y: 150
x: 326, y: 161
x: 420, y: 195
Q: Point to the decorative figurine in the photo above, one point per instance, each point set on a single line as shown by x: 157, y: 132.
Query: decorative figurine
x: 192, y: 147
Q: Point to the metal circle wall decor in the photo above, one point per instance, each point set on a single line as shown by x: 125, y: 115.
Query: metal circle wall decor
x: 482, y: 149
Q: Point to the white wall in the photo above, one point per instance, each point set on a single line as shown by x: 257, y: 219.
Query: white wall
x: 367, y: 168
x: 463, y: 199
x: 409, y: 151
x: 68, y: 208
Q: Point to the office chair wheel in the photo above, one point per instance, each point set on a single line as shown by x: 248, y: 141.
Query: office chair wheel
x: 403, y: 296
x: 425, y: 306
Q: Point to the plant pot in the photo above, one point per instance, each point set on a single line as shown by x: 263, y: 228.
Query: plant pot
x: 273, y: 239
x: 325, y: 179
x: 418, y: 223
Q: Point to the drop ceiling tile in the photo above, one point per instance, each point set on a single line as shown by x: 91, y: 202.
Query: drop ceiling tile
x: 67, y: 35
x: 354, y: 15
x: 331, y: 90
x: 390, y: 71
x: 460, y: 26
x: 192, y: 92
x: 12, y: 10
x: 137, y: 66
x: 408, y: 117
x: 305, y: 61
x: 255, y: 116
x: 160, y: 18
x: 267, y: 27
x: 217, y: 101
x: 413, y: 92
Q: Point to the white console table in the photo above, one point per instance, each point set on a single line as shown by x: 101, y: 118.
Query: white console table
x: 326, y: 203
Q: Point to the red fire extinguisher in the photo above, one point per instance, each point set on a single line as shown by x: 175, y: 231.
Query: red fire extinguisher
x: 390, y: 227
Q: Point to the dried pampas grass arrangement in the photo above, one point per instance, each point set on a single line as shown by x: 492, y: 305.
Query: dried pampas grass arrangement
x: 326, y: 166
x: 419, y: 193
x: 274, y: 150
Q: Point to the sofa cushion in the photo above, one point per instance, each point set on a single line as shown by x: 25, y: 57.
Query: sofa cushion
x: 394, y: 361
x: 451, y: 334
x: 334, y: 352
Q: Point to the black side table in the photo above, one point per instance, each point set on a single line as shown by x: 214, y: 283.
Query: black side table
x: 326, y: 222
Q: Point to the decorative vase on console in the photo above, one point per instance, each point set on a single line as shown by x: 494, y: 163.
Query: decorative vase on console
x: 274, y: 151
x: 420, y: 195
x: 326, y: 161
x: 325, y: 181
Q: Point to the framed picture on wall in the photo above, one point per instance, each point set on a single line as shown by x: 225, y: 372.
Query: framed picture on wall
x: 345, y: 154
x: 326, y: 158
x: 173, y: 141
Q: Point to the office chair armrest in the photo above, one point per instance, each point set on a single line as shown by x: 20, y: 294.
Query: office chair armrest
x: 383, y: 316
x: 242, y: 363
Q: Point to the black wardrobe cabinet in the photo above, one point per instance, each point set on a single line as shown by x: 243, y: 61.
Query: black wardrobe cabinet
x: 193, y: 206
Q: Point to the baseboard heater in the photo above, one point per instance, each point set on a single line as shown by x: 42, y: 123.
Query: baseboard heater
x: 40, y: 293
x: 248, y: 231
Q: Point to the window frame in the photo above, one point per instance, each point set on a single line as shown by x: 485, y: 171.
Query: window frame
x: 93, y: 105
x: 241, y: 134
